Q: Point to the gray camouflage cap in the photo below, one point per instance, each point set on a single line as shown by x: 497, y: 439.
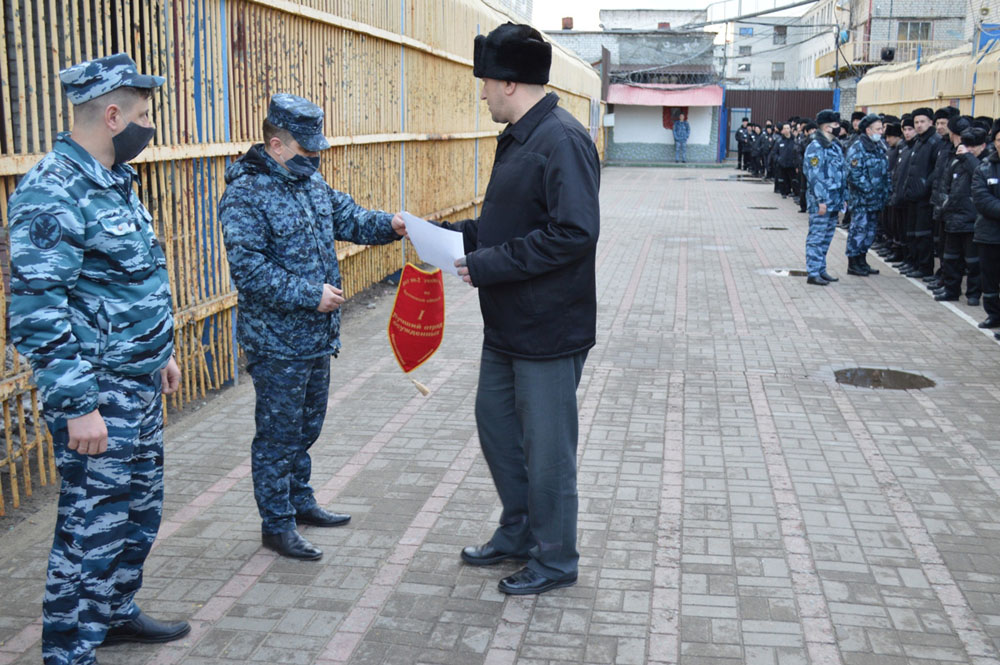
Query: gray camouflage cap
x: 302, y: 118
x: 91, y: 79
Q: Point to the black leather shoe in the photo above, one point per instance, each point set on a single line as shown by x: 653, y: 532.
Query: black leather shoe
x: 828, y: 277
x: 973, y: 302
x: 316, y: 516
x: 915, y: 274
x: 990, y: 322
x: 526, y: 581
x: 487, y: 555
x: 933, y: 286
x: 817, y: 280
x: 292, y: 545
x: 996, y: 335
x: 931, y: 278
x: 147, y: 631
x: 945, y: 297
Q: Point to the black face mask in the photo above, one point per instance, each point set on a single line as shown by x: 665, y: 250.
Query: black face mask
x: 129, y: 142
x: 302, y: 166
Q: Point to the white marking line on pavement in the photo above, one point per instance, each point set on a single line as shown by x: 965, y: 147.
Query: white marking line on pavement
x: 664, y: 616
x: 362, y: 616
x: 923, y: 287
x: 814, y: 613
x: 960, y: 614
x: 258, y: 564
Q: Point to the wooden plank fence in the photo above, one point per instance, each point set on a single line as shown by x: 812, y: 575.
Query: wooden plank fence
x: 402, y: 112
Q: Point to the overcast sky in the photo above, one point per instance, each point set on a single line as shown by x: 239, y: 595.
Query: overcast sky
x: 548, y: 13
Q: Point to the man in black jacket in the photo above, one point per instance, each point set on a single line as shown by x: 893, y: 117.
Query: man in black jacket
x: 743, y: 134
x: 916, y: 194
x: 890, y: 214
x: 958, y: 215
x: 944, y: 123
x: 986, y: 198
x: 532, y: 256
x: 786, y: 157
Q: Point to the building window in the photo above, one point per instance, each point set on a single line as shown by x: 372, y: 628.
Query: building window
x: 914, y: 31
x: 743, y: 67
x: 780, y: 34
x: 744, y: 50
x: 746, y: 32
x: 777, y: 71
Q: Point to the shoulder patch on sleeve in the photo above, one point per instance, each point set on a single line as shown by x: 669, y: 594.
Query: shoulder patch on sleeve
x: 814, y: 161
x: 854, y: 162
x: 45, y: 231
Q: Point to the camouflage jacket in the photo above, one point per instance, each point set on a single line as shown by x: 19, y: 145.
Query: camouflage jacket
x: 89, y: 284
x: 867, y: 175
x: 824, y: 169
x: 279, y: 232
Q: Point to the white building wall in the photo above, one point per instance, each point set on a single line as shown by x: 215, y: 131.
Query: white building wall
x: 764, y: 53
x: 644, y: 124
x: 648, y: 19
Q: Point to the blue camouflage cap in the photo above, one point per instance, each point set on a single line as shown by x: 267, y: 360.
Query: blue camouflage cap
x: 91, y: 79
x: 302, y: 118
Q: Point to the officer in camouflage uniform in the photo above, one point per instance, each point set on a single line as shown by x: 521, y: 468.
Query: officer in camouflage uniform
x: 280, y: 220
x: 867, y: 192
x: 91, y: 310
x: 826, y: 176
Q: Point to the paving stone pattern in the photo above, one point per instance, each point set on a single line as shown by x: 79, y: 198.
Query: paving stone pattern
x: 737, y: 505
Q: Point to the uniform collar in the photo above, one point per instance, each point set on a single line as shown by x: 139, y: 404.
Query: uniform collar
x: 522, y: 129
x: 99, y: 174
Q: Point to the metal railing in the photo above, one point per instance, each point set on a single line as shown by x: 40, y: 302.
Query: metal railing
x: 868, y: 53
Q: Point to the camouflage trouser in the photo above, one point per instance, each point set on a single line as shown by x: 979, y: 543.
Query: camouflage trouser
x: 861, y: 235
x: 109, y: 511
x: 821, y: 230
x: 291, y: 405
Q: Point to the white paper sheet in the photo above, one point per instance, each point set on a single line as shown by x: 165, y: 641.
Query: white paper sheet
x: 435, y: 245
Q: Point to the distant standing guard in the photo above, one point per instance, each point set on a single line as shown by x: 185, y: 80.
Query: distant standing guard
x: 826, y: 182
x: 868, y: 190
x: 280, y: 220
x: 90, y: 308
x: 532, y: 256
x: 682, y: 132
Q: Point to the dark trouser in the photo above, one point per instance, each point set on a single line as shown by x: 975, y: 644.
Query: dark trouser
x: 109, y: 512
x: 960, y: 254
x: 802, y: 190
x: 740, y: 152
x: 898, y: 228
x: 989, y: 263
x: 526, y: 414
x: 289, y: 412
x: 919, y: 231
x: 783, y: 183
x: 939, y: 236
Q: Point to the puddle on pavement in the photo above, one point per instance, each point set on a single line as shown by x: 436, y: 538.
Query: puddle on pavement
x: 762, y: 207
x: 782, y: 272
x: 774, y: 228
x: 887, y: 379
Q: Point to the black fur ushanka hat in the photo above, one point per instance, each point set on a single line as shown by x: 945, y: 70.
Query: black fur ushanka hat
x: 513, y: 53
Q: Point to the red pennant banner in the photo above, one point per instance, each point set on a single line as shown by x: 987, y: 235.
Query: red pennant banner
x: 416, y: 325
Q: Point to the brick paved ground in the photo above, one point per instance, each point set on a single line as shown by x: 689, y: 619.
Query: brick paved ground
x: 737, y: 505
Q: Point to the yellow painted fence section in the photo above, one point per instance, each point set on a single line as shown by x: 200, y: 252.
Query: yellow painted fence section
x: 402, y: 112
x: 962, y: 77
